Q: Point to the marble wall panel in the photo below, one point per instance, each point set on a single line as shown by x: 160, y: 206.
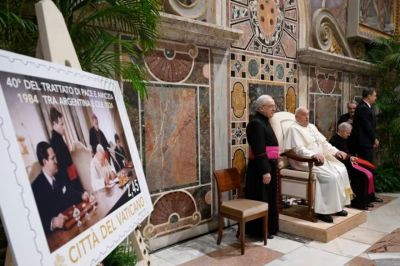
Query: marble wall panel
x: 203, y: 198
x: 358, y: 83
x: 204, y: 134
x: 276, y: 91
x: 201, y: 69
x: 325, y: 81
x: 170, y: 137
x: 325, y: 104
x: 325, y: 111
x: 132, y: 106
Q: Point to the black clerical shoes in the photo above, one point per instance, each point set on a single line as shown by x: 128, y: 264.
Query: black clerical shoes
x: 341, y: 213
x: 370, y: 205
x: 360, y: 206
x: 325, y: 218
x: 376, y: 199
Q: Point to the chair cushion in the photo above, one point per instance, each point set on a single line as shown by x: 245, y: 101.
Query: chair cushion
x: 243, y: 207
x: 295, y: 173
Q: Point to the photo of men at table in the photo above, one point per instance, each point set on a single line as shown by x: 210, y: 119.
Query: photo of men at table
x: 77, y: 160
x: 79, y: 184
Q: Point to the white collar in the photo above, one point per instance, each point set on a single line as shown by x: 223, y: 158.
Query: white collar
x: 367, y: 103
x: 50, y: 179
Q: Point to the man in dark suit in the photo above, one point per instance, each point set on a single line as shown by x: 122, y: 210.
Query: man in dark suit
x: 96, y: 136
x: 261, y: 183
x: 52, y: 195
x: 363, y: 138
x: 348, y: 117
x: 66, y: 168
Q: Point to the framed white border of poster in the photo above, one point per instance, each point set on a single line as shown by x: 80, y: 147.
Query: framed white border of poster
x: 19, y: 210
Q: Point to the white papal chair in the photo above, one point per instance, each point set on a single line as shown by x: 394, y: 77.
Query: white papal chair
x: 295, y: 183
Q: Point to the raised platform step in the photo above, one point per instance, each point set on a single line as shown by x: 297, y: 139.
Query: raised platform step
x: 321, y: 231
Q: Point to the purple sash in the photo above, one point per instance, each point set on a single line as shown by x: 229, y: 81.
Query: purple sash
x: 371, y: 188
x: 272, y: 152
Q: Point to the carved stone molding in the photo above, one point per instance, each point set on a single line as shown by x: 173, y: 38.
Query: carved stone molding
x: 312, y: 56
x: 186, y: 30
x: 327, y: 34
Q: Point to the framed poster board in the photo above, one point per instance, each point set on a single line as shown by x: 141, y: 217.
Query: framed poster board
x: 73, y: 186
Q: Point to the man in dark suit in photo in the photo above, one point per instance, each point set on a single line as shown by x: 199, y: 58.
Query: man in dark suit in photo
x: 363, y: 139
x: 96, y: 136
x: 66, y: 167
x: 52, y: 195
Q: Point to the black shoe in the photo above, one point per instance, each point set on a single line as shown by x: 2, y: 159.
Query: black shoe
x: 376, y: 199
x: 370, y: 205
x: 360, y: 206
x: 341, y: 213
x: 325, y: 218
x: 270, y: 237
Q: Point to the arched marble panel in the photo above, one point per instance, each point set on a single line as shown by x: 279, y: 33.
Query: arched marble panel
x: 239, y: 161
x: 291, y: 100
x: 171, y: 211
x: 238, y: 100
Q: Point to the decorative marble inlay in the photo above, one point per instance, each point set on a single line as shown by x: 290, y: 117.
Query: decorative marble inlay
x: 238, y: 133
x: 170, y: 137
x: 326, y: 82
x: 275, y: 91
x: 279, y: 71
x: 238, y: 99
x: 172, y: 210
x: 267, y: 69
x: 169, y: 66
x: 253, y: 67
x: 291, y: 100
x: 266, y: 20
x: 203, y: 197
x: 237, y: 65
x: 239, y: 160
x: 239, y: 12
x: 270, y: 26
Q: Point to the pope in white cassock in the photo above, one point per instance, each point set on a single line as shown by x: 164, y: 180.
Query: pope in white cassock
x: 333, y: 189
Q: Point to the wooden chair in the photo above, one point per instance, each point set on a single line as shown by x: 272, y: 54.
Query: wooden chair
x: 240, y: 210
x: 296, y: 183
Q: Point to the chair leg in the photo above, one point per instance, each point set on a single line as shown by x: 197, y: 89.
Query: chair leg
x: 220, y: 224
x: 238, y: 231
x: 265, y: 228
x: 242, y: 232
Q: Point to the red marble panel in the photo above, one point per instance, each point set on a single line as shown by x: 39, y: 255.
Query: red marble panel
x: 170, y: 138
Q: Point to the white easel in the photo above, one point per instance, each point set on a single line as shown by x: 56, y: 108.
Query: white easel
x: 55, y: 45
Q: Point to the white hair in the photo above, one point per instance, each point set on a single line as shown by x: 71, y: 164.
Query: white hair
x: 299, y: 110
x: 343, y: 126
x: 262, y: 100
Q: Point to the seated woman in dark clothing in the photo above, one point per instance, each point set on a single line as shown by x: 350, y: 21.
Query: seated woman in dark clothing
x: 361, y: 181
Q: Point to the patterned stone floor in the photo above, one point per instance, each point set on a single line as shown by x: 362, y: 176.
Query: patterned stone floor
x: 376, y: 242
